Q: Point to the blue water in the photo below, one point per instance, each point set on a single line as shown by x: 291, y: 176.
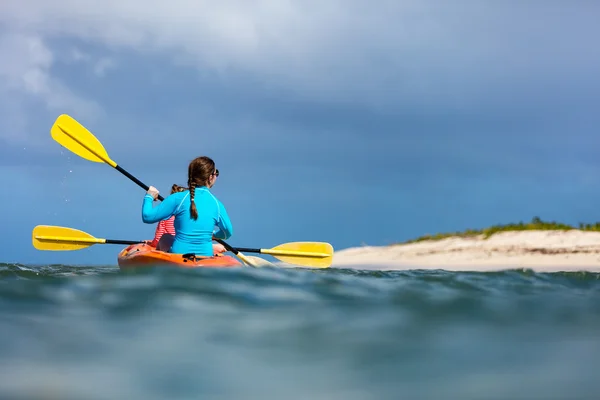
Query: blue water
x: 77, y: 332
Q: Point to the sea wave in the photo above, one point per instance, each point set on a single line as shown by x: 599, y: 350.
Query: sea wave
x: 97, y: 333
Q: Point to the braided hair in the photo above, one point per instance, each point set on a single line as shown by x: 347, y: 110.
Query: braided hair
x: 199, y: 173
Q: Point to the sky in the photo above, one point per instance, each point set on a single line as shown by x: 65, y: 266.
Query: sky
x: 346, y: 121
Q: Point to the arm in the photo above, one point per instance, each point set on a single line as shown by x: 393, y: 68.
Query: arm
x: 224, y: 224
x: 164, y: 210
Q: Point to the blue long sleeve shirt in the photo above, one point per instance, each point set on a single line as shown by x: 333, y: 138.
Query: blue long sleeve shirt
x: 191, y: 236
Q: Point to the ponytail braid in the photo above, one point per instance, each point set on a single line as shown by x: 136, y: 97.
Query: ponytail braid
x: 199, y: 174
x: 193, y: 211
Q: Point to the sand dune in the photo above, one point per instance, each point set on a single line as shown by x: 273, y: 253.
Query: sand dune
x: 549, y: 251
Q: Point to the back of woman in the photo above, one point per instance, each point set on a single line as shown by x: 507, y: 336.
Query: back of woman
x: 195, y: 236
x: 197, y: 211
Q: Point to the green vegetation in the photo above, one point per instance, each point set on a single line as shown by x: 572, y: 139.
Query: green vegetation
x: 535, y: 224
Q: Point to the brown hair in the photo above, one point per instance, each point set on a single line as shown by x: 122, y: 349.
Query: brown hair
x: 199, y: 173
x: 176, y: 188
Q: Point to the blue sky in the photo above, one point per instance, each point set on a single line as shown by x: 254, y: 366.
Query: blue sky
x: 351, y: 122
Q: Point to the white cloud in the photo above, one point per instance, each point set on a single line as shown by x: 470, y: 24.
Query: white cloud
x: 417, y: 51
x: 386, y: 55
x: 28, y: 63
x: 26, y: 80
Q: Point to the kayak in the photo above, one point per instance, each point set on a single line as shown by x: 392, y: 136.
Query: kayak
x: 143, y: 255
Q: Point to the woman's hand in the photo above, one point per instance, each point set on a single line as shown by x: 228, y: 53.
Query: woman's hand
x: 218, y: 248
x: 152, y: 191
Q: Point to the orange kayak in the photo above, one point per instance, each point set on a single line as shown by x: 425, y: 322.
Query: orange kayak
x: 143, y: 255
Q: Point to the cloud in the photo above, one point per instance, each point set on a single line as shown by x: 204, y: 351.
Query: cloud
x: 27, y: 84
x: 410, y: 56
x: 393, y: 54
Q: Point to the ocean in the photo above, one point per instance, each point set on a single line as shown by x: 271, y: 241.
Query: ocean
x: 93, y: 332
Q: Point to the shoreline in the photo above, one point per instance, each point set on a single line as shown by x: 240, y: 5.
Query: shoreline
x: 538, y: 250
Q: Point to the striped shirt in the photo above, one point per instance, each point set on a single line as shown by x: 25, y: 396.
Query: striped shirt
x: 164, y: 226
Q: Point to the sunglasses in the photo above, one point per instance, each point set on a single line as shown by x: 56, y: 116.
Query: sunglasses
x: 216, y: 173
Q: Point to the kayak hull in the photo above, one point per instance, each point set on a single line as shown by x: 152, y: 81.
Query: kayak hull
x: 143, y: 255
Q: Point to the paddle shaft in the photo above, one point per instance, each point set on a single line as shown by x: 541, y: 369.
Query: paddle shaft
x: 67, y: 239
x: 111, y: 241
x: 278, y: 252
x: 228, y: 247
x: 136, y: 180
x: 247, y: 250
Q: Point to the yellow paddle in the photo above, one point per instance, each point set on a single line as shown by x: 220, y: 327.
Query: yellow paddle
x: 308, y: 254
x: 75, y: 137
x: 59, y: 238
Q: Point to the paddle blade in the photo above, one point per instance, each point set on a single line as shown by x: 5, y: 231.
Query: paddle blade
x: 75, y: 137
x: 308, y: 254
x: 58, y: 238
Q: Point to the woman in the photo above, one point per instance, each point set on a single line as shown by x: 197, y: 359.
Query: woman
x: 165, y: 231
x: 197, y: 211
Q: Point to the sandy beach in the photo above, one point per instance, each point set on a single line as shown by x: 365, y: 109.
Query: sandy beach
x: 543, y: 251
